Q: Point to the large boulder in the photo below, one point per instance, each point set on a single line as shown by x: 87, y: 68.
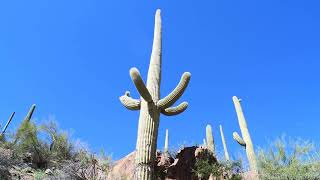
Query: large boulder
x: 166, y: 167
x: 123, y: 169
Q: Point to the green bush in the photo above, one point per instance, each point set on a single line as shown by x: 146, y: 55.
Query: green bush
x: 26, y: 142
x: 292, y: 160
x: 230, y: 169
x: 39, y: 175
x: 60, y: 146
x: 29, y: 144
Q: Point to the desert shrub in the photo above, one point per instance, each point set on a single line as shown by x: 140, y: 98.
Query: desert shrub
x: 41, y: 145
x: 87, y: 166
x: 295, y: 159
x: 229, y: 170
x: 105, y: 161
x: 47, y: 146
x: 60, y: 146
x: 28, y: 146
x: 39, y: 175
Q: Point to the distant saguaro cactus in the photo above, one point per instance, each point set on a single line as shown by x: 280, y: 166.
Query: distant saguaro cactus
x: 151, y: 106
x: 30, y: 113
x: 210, y: 140
x: 226, y: 153
x: 8, y: 122
x: 166, y: 143
x: 245, y: 141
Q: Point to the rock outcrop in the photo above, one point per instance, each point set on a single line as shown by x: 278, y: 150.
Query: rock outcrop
x: 168, y: 168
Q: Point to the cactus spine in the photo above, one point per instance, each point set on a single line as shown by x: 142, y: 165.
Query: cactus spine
x: 210, y: 140
x: 150, y: 106
x: 8, y: 122
x: 245, y: 141
x: 226, y: 153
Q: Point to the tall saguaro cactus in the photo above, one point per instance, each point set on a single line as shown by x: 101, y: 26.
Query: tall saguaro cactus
x: 245, y: 141
x: 150, y: 106
x: 210, y: 140
x: 226, y: 153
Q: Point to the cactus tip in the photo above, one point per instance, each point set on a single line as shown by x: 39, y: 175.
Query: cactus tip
x: 188, y: 74
x: 134, y: 72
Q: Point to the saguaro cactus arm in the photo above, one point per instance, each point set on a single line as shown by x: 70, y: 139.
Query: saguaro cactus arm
x: 8, y: 122
x: 171, y: 111
x: 138, y: 82
x: 130, y: 103
x: 237, y: 138
x: 176, y: 93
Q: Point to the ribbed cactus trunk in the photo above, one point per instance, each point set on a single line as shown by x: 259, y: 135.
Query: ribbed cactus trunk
x: 246, y: 139
x: 151, y: 106
x: 226, y: 153
x: 210, y: 140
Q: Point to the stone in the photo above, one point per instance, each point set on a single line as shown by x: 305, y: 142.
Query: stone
x: 48, y: 172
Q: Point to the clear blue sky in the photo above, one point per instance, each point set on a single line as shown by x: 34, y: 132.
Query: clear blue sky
x: 72, y: 59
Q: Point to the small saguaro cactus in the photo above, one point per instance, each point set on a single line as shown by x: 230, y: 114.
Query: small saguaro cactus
x: 226, y: 153
x: 245, y: 141
x: 150, y: 106
x: 8, y: 122
x: 166, y: 145
x: 210, y: 140
x: 30, y: 113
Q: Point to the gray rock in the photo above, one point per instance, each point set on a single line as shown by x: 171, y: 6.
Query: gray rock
x: 48, y: 172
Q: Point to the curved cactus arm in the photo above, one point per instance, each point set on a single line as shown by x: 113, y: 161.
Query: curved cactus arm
x: 130, y: 103
x: 176, y: 93
x: 237, y: 138
x: 171, y: 111
x: 138, y: 82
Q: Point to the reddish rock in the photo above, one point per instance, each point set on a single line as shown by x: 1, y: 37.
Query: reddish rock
x: 166, y: 167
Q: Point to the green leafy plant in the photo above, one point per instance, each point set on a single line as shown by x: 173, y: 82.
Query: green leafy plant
x: 60, y: 146
x: 228, y: 169
x: 295, y: 159
x: 39, y: 175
